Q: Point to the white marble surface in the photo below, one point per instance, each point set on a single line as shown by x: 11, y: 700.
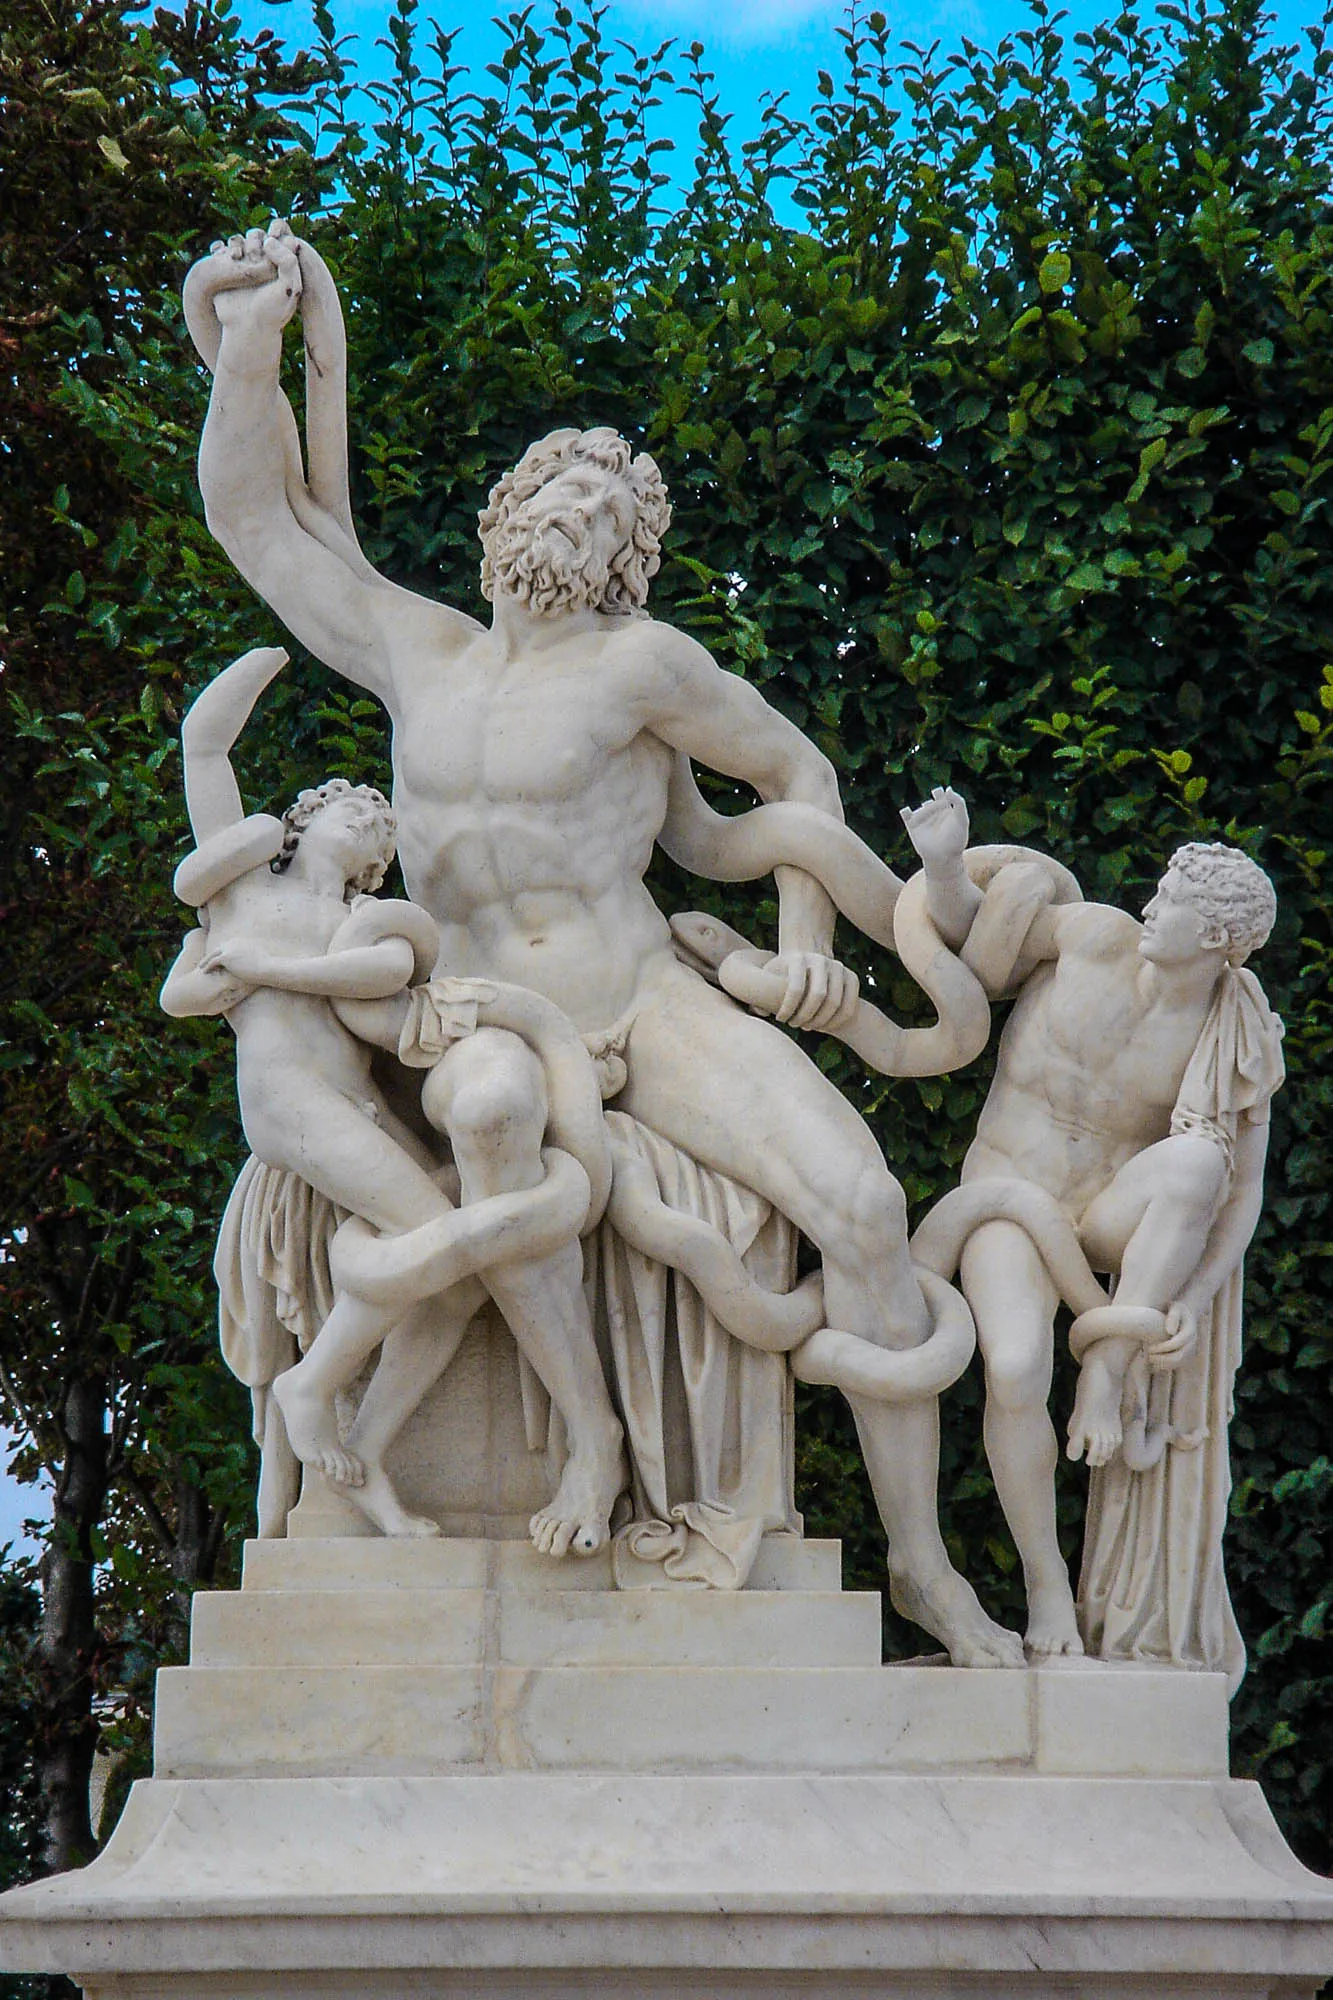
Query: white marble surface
x: 782, y: 1562
x: 378, y: 1719
x: 1131, y: 1101
x: 390, y: 1657
x: 1019, y: 1982
x: 403, y: 1764
x: 1000, y: 1884
x: 856, y: 1843
x: 374, y: 1831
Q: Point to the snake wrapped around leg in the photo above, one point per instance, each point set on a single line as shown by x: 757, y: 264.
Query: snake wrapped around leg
x: 399, y: 1271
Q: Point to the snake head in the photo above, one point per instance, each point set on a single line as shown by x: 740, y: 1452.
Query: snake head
x: 702, y: 942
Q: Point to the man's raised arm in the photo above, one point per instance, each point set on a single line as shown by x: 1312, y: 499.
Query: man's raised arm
x: 250, y: 450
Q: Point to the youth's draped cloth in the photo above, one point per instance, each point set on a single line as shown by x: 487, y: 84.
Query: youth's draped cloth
x: 1153, y: 1586
x: 1237, y: 1063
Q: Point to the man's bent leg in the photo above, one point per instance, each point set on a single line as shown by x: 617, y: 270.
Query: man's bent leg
x: 1152, y: 1223
x: 1013, y: 1300
x: 739, y: 1096
x: 1153, y: 1220
x: 489, y: 1094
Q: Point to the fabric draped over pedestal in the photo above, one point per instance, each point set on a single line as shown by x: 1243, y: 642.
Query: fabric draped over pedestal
x: 708, y: 1420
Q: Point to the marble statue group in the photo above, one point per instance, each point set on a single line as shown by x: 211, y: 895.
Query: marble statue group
x: 526, y: 1091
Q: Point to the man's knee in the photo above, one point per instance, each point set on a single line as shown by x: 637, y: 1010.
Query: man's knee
x: 486, y: 1091
x: 1193, y: 1173
x: 1019, y: 1377
x: 865, y: 1220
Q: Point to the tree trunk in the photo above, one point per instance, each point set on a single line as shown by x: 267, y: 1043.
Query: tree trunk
x: 67, y: 1648
x: 195, y: 1553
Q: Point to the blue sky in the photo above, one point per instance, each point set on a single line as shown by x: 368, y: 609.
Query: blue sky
x: 753, y: 47
x: 17, y: 1503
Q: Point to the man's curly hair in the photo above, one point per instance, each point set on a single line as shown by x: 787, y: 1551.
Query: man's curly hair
x: 304, y: 808
x: 638, y: 559
x: 1231, y: 893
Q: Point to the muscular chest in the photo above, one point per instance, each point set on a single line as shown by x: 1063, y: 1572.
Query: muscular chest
x: 528, y: 737
x: 1104, y: 1054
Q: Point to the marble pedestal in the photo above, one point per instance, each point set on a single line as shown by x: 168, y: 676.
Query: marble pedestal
x: 444, y: 1769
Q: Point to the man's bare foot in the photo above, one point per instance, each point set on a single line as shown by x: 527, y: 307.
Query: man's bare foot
x: 948, y: 1608
x: 1052, y: 1625
x: 379, y: 1502
x: 1095, y: 1429
x: 312, y: 1429
x: 578, y: 1520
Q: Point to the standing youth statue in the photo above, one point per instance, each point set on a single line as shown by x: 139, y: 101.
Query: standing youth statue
x: 1125, y: 1133
x: 535, y: 764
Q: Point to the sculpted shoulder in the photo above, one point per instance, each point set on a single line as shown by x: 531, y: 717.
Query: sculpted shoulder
x: 421, y: 633
x: 1096, y: 931
x: 658, y: 662
x: 677, y: 682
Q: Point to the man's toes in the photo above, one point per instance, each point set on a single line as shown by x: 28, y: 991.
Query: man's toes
x: 590, y: 1537
x: 1052, y: 1645
x: 561, y: 1538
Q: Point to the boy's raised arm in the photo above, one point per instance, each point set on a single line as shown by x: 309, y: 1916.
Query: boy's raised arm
x: 216, y: 719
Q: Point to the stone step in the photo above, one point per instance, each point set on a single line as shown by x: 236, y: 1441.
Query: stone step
x: 538, y: 1628
x: 696, y: 1628
x: 784, y: 1562
x: 378, y: 1721
x: 331, y: 1628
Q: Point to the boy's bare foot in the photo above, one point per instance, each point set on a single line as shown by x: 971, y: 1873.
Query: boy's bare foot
x: 379, y: 1502
x: 1095, y: 1429
x: 1052, y: 1626
x: 312, y: 1428
x: 578, y: 1519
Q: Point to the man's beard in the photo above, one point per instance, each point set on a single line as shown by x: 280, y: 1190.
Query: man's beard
x: 543, y: 572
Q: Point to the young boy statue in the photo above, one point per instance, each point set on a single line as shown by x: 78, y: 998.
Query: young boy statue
x: 277, y: 947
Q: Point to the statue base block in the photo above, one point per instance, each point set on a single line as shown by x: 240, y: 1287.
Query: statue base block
x: 450, y: 1769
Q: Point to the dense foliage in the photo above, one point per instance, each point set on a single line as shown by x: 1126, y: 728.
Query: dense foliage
x: 996, y: 403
